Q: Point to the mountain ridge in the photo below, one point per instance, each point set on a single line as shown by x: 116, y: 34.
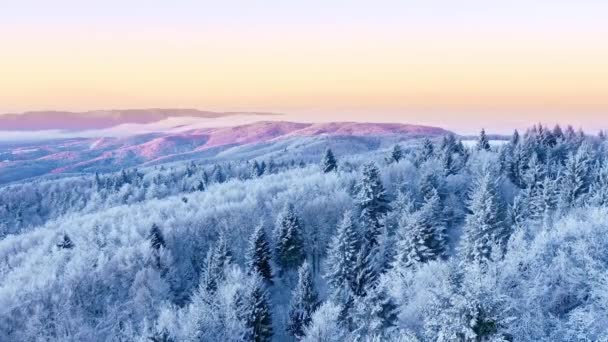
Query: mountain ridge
x: 113, y: 153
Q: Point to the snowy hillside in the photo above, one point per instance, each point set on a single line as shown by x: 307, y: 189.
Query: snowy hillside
x: 109, y: 153
x: 307, y: 232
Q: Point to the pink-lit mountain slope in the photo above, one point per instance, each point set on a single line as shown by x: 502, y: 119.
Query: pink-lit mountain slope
x: 100, y: 119
x: 111, y: 153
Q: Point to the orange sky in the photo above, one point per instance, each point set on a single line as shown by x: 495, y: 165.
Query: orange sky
x: 431, y: 64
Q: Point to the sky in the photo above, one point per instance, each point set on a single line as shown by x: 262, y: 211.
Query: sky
x: 456, y: 64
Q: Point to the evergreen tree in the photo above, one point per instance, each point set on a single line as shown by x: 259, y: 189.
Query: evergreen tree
x: 483, y: 228
x: 575, y: 179
x: 514, y: 139
x: 483, y: 143
x: 257, y: 312
x: 263, y: 167
x: 329, y: 163
x: 255, y: 169
x: 200, y: 186
x: 303, y: 303
x: 157, y: 240
x: 374, y: 315
x: 218, y: 174
x: 341, y: 259
x: 219, y: 257
x: 425, y: 152
x: 558, y: 133
x: 396, y: 154
x: 598, y: 190
x: 372, y: 199
x: 259, y: 254
x: 66, y: 242
x: 289, y: 243
x: 374, y: 205
x: 422, y: 234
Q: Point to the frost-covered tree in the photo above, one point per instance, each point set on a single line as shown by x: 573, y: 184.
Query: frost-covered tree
x: 289, y: 240
x: 304, y: 302
x: 325, y: 325
x: 219, y: 257
x: 329, y: 163
x: 422, y: 234
x: 200, y: 186
x: 425, y: 152
x: 576, y: 177
x: 156, y: 237
x: 256, y: 170
x: 483, y: 143
x: 374, y: 205
x: 375, y: 315
x: 66, y: 242
x: 342, y: 258
x: 259, y: 255
x: 483, y: 229
x: 396, y: 154
x: 598, y: 190
x: 257, y: 312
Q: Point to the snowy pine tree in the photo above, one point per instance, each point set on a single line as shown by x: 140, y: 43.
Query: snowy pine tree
x: 483, y: 143
x: 483, y: 230
x: 289, y: 242
x: 66, y: 242
x: 374, y: 205
x: 375, y: 315
x: 329, y: 163
x: 219, y: 257
x: 422, y: 234
x: 396, y: 154
x: 576, y: 177
x: 157, y: 240
x: 303, y: 303
x: 257, y: 312
x: 341, y: 259
x: 259, y: 255
x: 425, y: 152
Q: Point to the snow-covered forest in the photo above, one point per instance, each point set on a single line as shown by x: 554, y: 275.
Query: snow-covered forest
x: 425, y: 240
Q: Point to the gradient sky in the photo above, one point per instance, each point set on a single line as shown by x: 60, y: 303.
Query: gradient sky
x: 457, y: 64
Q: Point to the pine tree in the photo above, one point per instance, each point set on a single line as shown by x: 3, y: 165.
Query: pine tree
x: 157, y: 240
x: 422, y: 234
x: 259, y: 254
x: 218, y: 174
x: 483, y: 143
x: 219, y: 257
x: 341, y: 259
x: 255, y: 169
x: 289, y: 243
x: 374, y: 315
x: 257, y: 312
x: 303, y: 303
x: 372, y: 199
x: 200, y: 186
x: 374, y: 205
x: 329, y: 163
x: 396, y: 154
x: 483, y: 228
x: 66, y: 242
x: 425, y: 152
x: 598, y: 190
x: 514, y: 138
x: 575, y: 179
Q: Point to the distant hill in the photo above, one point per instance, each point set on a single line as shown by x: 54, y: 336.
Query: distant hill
x: 100, y: 119
x: 114, y: 153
